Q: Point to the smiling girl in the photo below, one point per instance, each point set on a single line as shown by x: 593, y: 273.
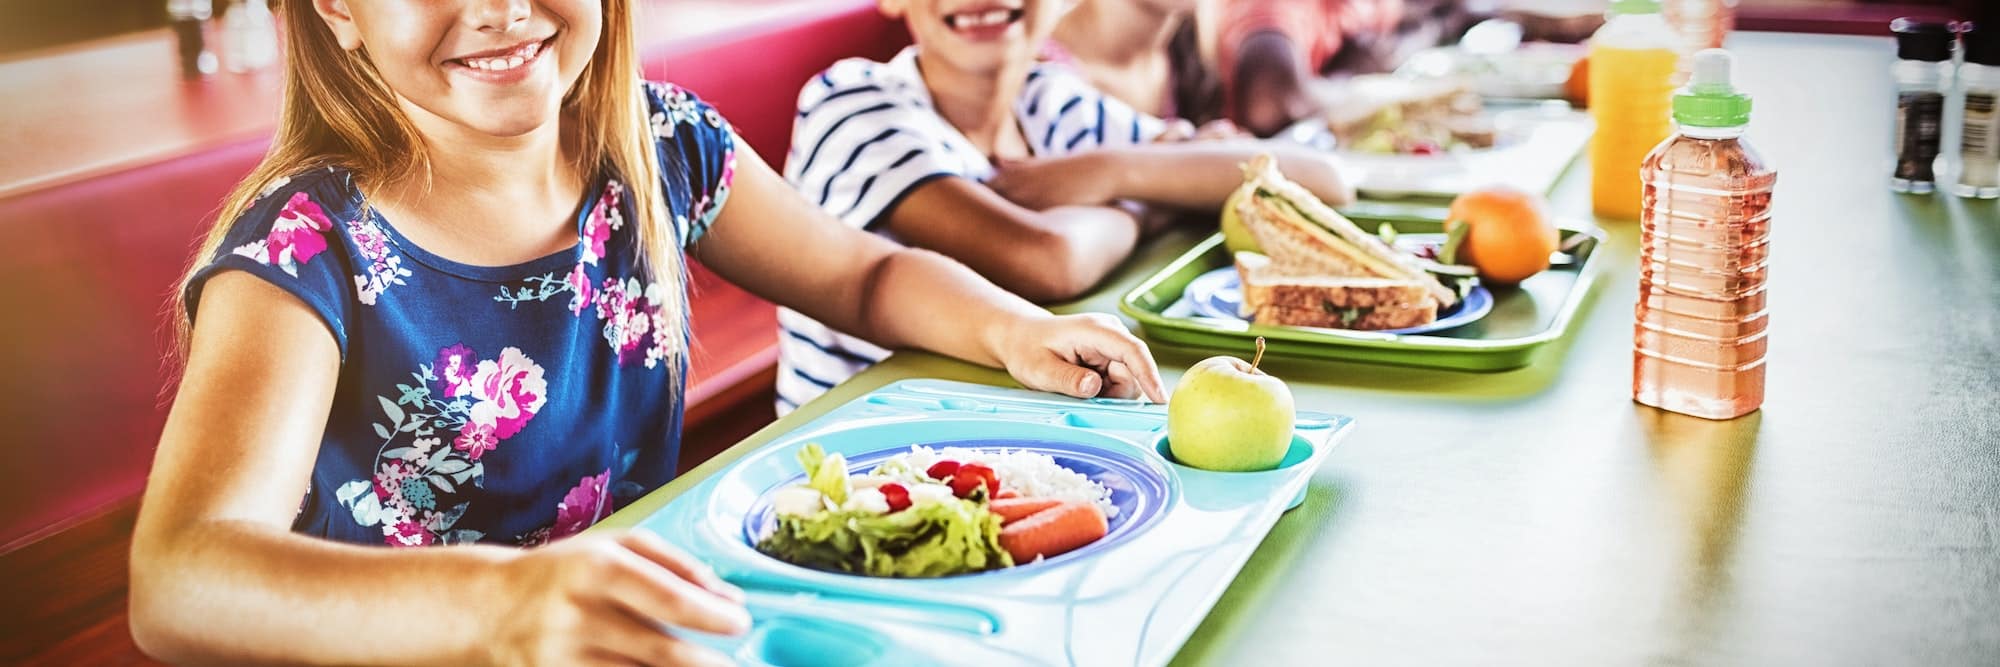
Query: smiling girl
x: 449, y: 310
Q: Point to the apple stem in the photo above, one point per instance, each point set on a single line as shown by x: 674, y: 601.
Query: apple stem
x: 1260, y: 353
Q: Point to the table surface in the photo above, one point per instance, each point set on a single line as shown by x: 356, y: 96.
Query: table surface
x: 1538, y: 516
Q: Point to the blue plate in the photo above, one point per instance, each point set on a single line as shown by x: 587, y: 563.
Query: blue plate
x: 1219, y: 294
x: 1138, y: 489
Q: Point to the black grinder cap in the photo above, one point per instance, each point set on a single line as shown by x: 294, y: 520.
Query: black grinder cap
x: 1982, y: 46
x: 1922, y: 40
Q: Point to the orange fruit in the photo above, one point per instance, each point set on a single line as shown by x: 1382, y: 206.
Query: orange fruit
x: 1577, y: 88
x: 1509, y: 237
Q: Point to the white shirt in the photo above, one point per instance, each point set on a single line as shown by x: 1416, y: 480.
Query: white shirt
x: 867, y: 135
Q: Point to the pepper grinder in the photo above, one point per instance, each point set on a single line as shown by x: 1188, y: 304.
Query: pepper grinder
x: 189, y: 18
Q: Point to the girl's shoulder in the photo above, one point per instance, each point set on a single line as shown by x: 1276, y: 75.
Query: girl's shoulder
x: 293, y: 218
x: 673, y: 108
x: 314, y: 199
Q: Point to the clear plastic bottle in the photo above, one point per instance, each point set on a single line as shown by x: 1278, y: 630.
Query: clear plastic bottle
x: 1979, y: 138
x: 1923, y: 74
x: 1702, y: 23
x: 1705, y: 241
x: 1632, y: 62
x: 249, y: 36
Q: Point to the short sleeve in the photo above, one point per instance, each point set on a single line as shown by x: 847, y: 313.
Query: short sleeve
x: 291, y: 237
x: 1062, y: 113
x: 860, y: 143
x: 697, y: 157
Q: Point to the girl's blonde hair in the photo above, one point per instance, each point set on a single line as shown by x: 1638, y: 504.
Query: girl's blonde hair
x: 338, y: 112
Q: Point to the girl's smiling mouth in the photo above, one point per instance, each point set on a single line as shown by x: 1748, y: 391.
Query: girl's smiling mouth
x: 505, y: 65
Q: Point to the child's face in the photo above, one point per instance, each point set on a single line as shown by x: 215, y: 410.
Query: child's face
x: 499, y: 67
x: 979, y: 36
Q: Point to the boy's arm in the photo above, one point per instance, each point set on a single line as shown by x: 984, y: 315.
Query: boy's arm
x: 1187, y: 175
x: 778, y: 245
x: 1049, y: 255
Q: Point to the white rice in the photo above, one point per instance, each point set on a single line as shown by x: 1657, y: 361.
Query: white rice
x: 1027, y: 474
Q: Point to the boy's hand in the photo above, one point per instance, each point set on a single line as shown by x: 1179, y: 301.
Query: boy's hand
x: 1180, y: 130
x: 1085, y: 179
x: 1080, y: 355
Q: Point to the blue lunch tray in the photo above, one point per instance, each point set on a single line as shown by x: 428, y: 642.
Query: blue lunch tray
x: 1178, y: 538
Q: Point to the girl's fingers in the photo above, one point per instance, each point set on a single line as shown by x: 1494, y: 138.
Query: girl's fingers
x: 620, y: 639
x: 647, y: 590
x: 658, y: 550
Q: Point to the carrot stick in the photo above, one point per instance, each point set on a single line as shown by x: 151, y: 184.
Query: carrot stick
x: 1054, y: 532
x: 1016, y: 509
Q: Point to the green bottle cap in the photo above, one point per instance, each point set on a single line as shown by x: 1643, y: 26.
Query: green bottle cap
x: 1709, y: 100
x: 1635, y: 6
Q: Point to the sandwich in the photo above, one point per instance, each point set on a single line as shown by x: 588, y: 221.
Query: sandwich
x: 1383, y: 113
x: 1332, y: 302
x: 1318, y: 269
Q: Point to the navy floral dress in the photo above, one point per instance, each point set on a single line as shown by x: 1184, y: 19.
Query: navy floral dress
x: 512, y: 404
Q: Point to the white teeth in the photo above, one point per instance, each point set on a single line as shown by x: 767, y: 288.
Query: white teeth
x: 518, y: 58
x: 989, y: 17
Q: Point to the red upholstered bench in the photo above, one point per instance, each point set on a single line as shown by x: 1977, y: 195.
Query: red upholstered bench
x: 88, y: 266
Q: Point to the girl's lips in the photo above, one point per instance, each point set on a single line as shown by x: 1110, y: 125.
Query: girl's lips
x: 502, y: 66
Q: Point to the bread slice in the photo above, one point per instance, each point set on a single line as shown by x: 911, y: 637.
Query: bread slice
x: 1305, y: 237
x: 1357, y: 319
x: 1273, y: 297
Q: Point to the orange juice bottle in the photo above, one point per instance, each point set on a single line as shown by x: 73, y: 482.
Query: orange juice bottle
x: 1632, y: 62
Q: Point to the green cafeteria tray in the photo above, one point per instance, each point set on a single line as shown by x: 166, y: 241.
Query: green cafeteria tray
x: 1523, y: 319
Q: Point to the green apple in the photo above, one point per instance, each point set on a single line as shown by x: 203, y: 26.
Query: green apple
x: 1235, y: 236
x: 1229, y: 416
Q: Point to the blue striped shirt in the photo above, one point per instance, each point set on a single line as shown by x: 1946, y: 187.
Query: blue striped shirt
x: 867, y: 134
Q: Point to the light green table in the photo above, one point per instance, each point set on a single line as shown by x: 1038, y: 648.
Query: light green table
x: 1539, y: 517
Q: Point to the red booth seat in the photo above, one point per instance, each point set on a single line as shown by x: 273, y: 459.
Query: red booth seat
x: 88, y: 264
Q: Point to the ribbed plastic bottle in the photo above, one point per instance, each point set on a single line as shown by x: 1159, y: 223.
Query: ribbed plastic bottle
x: 1705, y: 242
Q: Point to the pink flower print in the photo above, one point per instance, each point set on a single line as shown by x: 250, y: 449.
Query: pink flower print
x: 389, y: 479
x: 510, y: 391
x: 728, y: 170
x: 579, y: 286
x: 611, y: 299
x: 454, y: 368
x: 582, y: 506
x: 475, y: 440
x: 406, y: 534
x: 300, y: 230
x: 298, y: 234
x: 373, y: 244
x: 596, y: 230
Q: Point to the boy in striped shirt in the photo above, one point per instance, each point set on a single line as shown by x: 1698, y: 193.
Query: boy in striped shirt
x: 963, y: 144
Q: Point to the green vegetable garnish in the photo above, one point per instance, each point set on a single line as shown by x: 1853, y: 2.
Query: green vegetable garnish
x: 932, y: 539
x: 1449, y: 253
x: 825, y: 473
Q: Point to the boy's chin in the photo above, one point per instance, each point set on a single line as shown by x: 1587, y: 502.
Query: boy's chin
x: 983, y: 57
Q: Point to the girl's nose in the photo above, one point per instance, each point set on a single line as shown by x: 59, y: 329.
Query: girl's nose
x: 498, y: 15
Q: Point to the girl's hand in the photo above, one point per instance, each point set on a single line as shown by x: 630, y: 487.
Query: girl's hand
x: 1084, y: 179
x: 608, y: 599
x: 1080, y: 355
